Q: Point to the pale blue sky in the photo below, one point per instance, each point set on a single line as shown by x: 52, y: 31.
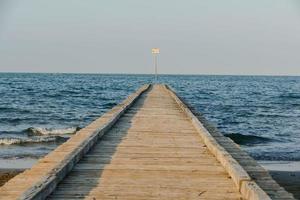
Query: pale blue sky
x: 195, y: 36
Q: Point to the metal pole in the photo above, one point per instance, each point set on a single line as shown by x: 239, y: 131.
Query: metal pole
x: 155, y: 65
x: 155, y: 52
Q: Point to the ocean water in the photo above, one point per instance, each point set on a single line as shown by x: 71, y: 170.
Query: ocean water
x: 40, y: 111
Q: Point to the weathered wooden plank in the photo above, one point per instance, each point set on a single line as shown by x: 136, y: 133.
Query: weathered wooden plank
x: 232, y: 158
x: 53, y: 170
x: 155, y: 152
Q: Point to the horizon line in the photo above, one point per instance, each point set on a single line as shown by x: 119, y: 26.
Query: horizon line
x: 164, y: 74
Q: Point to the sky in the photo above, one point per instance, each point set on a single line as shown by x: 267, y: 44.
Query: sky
x: 253, y: 37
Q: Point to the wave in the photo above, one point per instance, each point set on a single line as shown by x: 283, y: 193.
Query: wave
x: 247, y: 139
x: 276, y: 156
x: 109, y: 104
x: 11, y: 141
x: 35, y: 131
x: 290, y: 96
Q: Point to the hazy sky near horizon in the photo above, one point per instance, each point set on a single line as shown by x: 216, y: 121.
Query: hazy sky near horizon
x: 195, y: 36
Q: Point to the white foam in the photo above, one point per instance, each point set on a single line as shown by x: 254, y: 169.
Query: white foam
x: 46, y: 131
x: 281, y: 165
x: 10, y: 141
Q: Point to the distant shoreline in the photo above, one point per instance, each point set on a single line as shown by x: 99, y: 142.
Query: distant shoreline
x: 151, y: 74
x: 7, y: 174
x: 12, y: 167
x: 286, y: 174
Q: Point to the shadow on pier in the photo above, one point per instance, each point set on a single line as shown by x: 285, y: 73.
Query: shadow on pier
x: 86, y: 177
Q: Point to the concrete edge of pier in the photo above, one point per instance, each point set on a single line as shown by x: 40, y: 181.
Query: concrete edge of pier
x: 252, y: 180
x: 39, y: 181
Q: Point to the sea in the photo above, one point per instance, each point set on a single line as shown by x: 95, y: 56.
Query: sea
x: 39, y: 111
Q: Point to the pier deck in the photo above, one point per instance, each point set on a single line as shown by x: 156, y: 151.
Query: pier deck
x: 153, y: 152
x: 148, y: 147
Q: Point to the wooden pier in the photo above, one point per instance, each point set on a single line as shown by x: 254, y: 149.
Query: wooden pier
x: 151, y: 146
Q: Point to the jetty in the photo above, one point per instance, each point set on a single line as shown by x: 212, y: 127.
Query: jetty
x: 150, y: 146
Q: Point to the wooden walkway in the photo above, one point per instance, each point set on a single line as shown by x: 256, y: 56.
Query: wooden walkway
x: 150, y: 147
x: 153, y: 152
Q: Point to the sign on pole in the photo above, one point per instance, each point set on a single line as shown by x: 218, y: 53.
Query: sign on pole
x: 155, y: 51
